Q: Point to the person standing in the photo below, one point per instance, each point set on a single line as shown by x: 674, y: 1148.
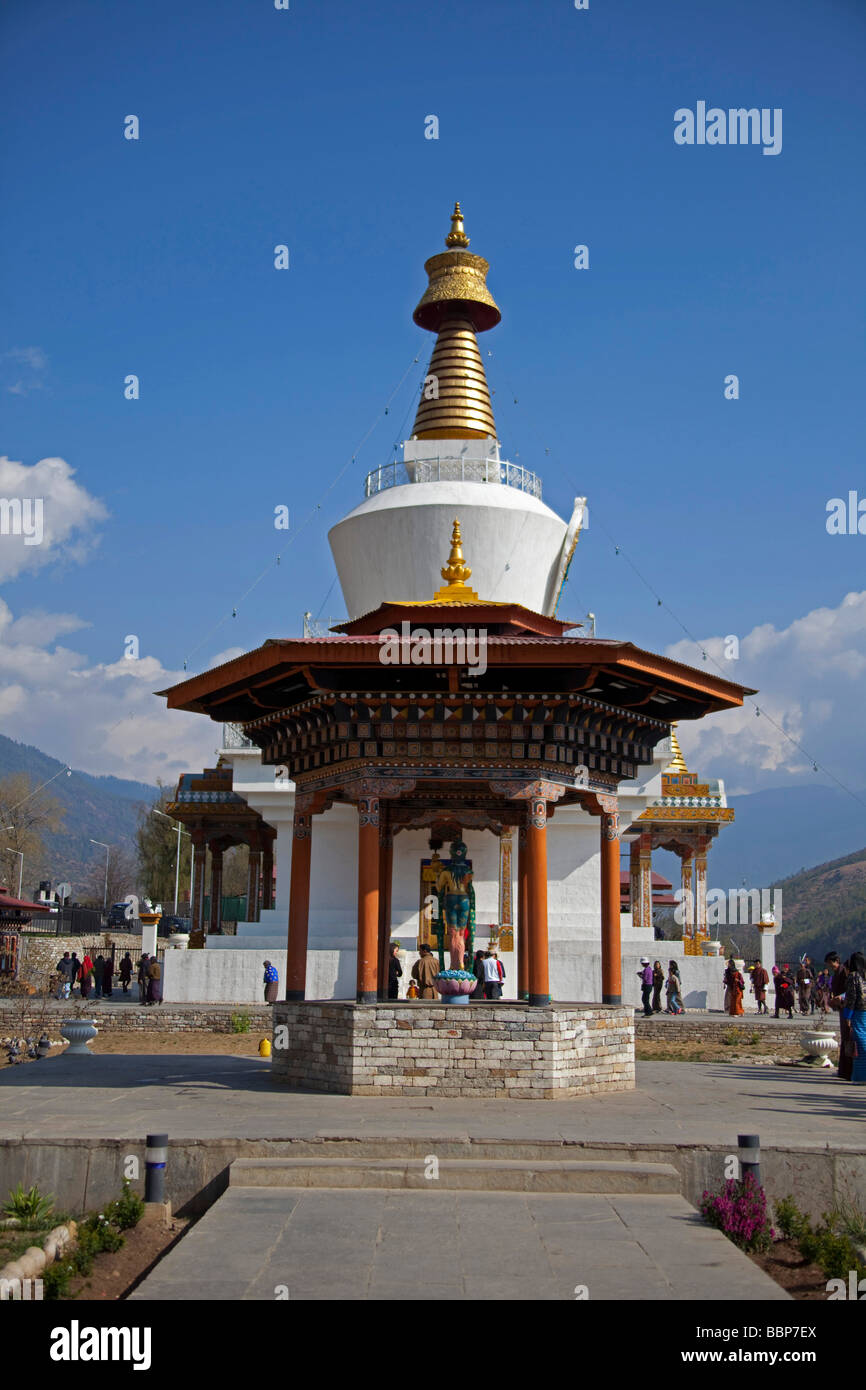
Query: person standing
x: 154, y: 981
x: 804, y: 986
x: 658, y: 986
x: 760, y: 980
x: 64, y: 974
x: 734, y: 988
x: 395, y: 971
x: 673, y: 989
x: 107, y: 976
x: 492, y: 977
x: 645, y: 975
x: 98, y: 973
x: 142, y: 978
x: 424, y: 972
x: 126, y: 972
x: 478, y: 972
x: 271, y: 982
x: 838, y: 991
x: 75, y: 972
x: 854, y: 1011
x: 784, y: 993
x: 86, y: 975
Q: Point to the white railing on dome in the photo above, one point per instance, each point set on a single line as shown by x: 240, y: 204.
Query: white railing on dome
x: 450, y: 470
x: 234, y: 737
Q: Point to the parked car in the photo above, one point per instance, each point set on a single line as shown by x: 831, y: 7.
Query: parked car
x: 117, y: 915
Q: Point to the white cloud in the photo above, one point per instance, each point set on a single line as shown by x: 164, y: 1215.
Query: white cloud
x: 21, y: 370
x: 811, y: 681
x: 44, y: 515
x: 103, y: 717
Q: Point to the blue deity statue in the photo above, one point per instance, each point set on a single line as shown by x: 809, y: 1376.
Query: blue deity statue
x: 457, y: 905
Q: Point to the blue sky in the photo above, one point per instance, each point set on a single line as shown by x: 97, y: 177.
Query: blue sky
x: 306, y: 127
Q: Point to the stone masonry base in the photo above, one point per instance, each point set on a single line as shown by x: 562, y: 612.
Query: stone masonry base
x: 425, y: 1048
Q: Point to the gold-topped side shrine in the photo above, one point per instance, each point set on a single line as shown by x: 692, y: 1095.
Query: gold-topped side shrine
x: 455, y: 574
x: 456, y: 305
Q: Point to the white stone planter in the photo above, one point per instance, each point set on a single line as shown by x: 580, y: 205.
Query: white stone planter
x: 78, y: 1032
x: 179, y: 940
x: 818, y: 1046
x: 711, y: 948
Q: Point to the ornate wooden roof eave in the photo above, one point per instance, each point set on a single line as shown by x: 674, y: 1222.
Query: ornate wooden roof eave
x: 222, y: 691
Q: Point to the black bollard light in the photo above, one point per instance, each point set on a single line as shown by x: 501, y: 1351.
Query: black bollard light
x: 155, y: 1156
x: 750, y: 1155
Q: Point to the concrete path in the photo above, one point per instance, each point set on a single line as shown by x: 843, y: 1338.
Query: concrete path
x: 202, y: 1097
x: 265, y: 1244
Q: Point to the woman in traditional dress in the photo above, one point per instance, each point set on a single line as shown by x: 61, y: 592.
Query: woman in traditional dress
x: 107, y: 976
x: 154, y: 981
x: 271, y: 981
x: 735, y: 986
x: 838, y: 989
x: 854, y: 1011
x: 85, y: 975
x: 658, y: 986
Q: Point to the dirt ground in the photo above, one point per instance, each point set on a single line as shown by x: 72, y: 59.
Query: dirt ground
x: 114, y: 1275
x: 763, y: 1053
x: 180, y: 1044
x: 784, y: 1263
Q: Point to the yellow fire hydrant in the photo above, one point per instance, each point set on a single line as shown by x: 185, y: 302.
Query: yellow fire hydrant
x: 265, y: 1047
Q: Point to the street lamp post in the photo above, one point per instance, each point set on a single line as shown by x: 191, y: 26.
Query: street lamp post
x: 107, y: 849
x: 180, y: 831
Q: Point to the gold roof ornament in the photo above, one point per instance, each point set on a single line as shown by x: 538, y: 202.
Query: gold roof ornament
x: 455, y: 574
x: 455, y: 402
x: 678, y: 762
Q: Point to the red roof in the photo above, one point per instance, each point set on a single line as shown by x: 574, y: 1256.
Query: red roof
x: 10, y: 903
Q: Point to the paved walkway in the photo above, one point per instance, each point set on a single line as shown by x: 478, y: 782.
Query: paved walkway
x: 202, y: 1097
x: 366, y: 1244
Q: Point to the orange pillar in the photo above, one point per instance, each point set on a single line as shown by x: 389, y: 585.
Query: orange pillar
x: 386, y: 860
x: 522, y: 918
x: 299, y: 907
x: 611, y: 951
x: 536, y: 901
x: 368, y: 898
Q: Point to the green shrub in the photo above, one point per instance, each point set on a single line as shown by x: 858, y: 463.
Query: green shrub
x: 789, y: 1219
x: 29, y: 1207
x: 829, y: 1243
x: 241, y: 1022
x: 127, y: 1210
x: 56, y: 1279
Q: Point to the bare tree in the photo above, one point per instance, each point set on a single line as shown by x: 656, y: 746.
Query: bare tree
x: 25, y: 815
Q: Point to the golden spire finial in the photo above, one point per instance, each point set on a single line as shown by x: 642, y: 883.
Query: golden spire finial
x: 456, y: 305
x: 455, y: 573
x: 457, y: 236
x: 677, y: 762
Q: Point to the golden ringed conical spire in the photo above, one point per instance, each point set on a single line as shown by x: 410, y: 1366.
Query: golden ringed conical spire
x: 455, y: 573
x: 678, y: 762
x: 455, y: 400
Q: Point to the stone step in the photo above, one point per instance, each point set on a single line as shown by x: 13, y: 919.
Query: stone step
x: 452, y: 1174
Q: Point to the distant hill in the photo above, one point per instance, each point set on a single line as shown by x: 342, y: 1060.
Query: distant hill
x: 99, y: 808
x: 824, y: 909
x: 779, y: 832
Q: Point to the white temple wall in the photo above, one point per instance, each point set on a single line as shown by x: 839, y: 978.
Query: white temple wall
x: 575, y: 975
